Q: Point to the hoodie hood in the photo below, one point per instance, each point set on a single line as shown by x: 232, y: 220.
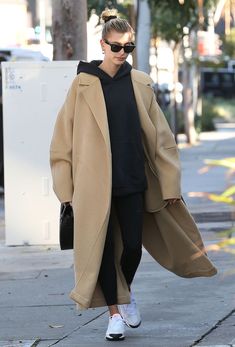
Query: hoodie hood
x: 92, y: 68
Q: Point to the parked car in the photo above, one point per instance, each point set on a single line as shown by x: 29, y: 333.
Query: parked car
x: 21, y: 54
x: 13, y: 54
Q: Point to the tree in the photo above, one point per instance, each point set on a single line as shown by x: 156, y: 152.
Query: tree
x: 170, y: 19
x: 69, y: 18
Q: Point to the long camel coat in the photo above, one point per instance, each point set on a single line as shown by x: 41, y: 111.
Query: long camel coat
x: 80, y: 158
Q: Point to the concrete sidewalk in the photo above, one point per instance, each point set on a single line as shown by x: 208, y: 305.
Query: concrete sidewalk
x: 176, y: 312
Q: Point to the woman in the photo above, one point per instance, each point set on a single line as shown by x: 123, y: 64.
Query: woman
x: 113, y: 157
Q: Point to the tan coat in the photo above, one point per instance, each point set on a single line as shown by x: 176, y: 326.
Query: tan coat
x: 80, y: 157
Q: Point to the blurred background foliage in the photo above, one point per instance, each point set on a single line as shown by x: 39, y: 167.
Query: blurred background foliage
x: 169, y: 17
x: 229, y: 44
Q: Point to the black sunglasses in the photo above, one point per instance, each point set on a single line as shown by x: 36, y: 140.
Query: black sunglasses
x: 117, y: 48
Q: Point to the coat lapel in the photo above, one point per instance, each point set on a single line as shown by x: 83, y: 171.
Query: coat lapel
x: 147, y: 126
x: 93, y: 95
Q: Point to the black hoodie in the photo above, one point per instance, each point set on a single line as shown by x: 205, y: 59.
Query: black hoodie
x: 128, y: 174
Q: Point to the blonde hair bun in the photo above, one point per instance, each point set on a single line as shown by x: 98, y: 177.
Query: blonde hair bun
x: 108, y: 15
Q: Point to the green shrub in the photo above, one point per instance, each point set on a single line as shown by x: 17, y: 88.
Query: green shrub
x: 213, y: 109
x: 209, y: 112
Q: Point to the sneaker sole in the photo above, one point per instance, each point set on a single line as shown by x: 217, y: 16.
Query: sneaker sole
x: 133, y: 326
x: 115, y: 337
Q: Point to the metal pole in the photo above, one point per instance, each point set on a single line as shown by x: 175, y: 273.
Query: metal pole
x: 42, y: 19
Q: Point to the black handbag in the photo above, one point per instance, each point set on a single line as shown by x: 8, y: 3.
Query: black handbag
x: 66, y: 226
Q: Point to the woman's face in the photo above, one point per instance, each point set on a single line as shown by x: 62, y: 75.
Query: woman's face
x: 117, y: 58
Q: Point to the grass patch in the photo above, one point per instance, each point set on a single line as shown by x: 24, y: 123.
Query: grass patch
x: 215, y: 110
x: 225, y: 108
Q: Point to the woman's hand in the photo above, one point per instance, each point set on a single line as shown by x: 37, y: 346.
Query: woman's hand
x: 171, y: 201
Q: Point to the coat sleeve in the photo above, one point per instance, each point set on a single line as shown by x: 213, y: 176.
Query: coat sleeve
x: 61, y: 148
x: 167, y: 164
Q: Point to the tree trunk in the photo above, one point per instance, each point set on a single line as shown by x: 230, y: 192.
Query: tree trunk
x: 143, y: 36
x: 69, y: 21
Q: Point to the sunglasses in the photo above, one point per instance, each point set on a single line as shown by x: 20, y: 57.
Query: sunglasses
x: 117, y: 48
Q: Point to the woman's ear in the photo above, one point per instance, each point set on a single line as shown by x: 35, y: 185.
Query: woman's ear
x: 102, y: 45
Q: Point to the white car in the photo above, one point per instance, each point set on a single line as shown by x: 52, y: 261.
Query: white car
x: 21, y: 54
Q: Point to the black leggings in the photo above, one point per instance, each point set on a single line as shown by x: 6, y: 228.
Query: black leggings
x: 129, y: 211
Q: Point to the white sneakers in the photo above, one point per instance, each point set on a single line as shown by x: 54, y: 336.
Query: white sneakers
x: 116, y: 328
x: 130, y: 313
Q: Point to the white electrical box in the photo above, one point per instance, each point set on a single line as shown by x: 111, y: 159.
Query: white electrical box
x: 32, y: 96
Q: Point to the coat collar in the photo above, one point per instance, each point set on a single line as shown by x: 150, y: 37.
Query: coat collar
x: 142, y: 87
x: 86, y: 79
x: 93, y: 95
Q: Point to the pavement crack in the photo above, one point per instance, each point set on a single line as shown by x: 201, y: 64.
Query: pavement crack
x: 213, y: 328
x: 76, y: 329
x: 91, y: 320
x: 39, y: 274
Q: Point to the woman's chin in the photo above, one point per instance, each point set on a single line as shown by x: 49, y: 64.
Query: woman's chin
x: 120, y: 61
